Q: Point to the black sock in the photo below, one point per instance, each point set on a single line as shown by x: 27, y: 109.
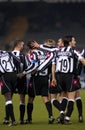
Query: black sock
x: 70, y: 108
x: 7, y: 112
x: 22, y: 111
x: 29, y: 111
x: 64, y: 104
x: 57, y: 104
x: 49, y: 108
x: 79, y: 106
x: 11, y: 112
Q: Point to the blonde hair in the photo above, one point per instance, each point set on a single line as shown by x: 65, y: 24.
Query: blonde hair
x: 50, y: 42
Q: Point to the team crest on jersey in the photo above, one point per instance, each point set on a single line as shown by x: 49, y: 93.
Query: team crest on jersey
x: 32, y: 58
x: 48, y: 55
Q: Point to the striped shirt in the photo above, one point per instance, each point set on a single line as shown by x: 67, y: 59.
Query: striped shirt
x: 66, y: 60
x: 82, y: 66
x: 39, y: 62
x: 7, y: 62
x: 23, y: 60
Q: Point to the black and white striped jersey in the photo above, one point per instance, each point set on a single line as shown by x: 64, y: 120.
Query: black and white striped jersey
x: 23, y: 60
x: 7, y: 62
x: 52, y: 49
x: 83, y: 53
x: 33, y: 62
x: 39, y: 62
x: 45, y: 61
x: 66, y: 60
x: 66, y: 65
x: 83, y: 67
x: 48, y: 48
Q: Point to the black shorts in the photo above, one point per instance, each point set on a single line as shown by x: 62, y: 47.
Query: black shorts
x: 66, y: 81
x: 9, y: 81
x: 30, y: 88
x: 54, y: 89
x: 76, y: 83
x: 21, y: 85
x: 38, y: 86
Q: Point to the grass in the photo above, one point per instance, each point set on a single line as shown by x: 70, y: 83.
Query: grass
x: 40, y: 116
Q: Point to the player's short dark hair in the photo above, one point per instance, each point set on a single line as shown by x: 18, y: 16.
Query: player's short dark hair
x: 16, y: 42
x: 29, y: 44
x: 67, y: 39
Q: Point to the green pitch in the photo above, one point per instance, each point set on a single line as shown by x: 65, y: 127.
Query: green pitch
x: 40, y: 116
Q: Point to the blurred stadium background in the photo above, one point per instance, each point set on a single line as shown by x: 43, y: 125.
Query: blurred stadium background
x: 40, y: 20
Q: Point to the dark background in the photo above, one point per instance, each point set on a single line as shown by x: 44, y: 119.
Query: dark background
x: 45, y: 20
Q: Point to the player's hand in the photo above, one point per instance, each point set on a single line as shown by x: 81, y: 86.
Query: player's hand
x: 20, y: 75
x: 54, y: 82
x: 35, y: 44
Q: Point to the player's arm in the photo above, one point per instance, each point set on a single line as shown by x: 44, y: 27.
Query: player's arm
x: 44, y: 47
x: 31, y: 67
x: 54, y: 82
x: 82, y: 61
x: 80, y: 58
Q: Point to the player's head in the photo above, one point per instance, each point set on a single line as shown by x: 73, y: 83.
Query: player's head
x: 29, y: 44
x: 18, y: 44
x: 60, y: 42
x: 50, y: 42
x: 69, y: 40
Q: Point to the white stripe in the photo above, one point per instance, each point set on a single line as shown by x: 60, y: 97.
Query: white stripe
x: 68, y: 48
x: 44, y: 63
x: 22, y: 103
x: 67, y: 118
x: 8, y: 102
x: 65, y: 98
x: 77, y: 98
x: 52, y: 100
x: 71, y: 100
x: 63, y: 49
